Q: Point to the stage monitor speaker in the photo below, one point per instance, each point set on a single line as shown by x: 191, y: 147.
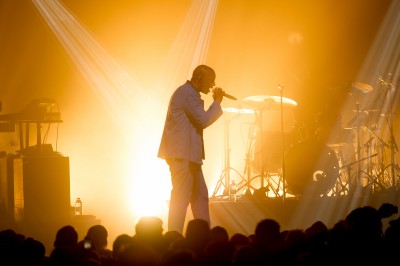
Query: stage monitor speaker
x: 41, y: 189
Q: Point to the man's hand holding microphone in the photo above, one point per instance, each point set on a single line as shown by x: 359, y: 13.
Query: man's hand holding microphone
x: 218, y: 95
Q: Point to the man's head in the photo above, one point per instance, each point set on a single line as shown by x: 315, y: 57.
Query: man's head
x: 203, y: 78
x: 98, y: 235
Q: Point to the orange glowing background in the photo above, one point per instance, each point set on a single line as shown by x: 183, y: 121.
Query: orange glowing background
x: 111, y: 135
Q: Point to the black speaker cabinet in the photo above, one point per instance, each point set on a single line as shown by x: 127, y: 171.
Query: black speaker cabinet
x: 41, y: 188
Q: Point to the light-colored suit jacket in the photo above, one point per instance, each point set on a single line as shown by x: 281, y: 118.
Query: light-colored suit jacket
x: 183, y: 130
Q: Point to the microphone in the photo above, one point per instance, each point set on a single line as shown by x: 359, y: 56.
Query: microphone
x: 230, y: 96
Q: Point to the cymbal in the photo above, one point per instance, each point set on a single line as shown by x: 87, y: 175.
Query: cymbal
x: 268, y: 102
x: 367, y: 111
x: 362, y: 87
x: 238, y: 110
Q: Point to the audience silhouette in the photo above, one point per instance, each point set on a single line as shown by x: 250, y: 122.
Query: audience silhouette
x: 357, y: 238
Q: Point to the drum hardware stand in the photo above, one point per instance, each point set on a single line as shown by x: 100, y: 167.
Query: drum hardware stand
x: 377, y: 179
x: 247, y: 169
x: 373, y: 180
x: 264, y: 172
x: 356, y: 185
x: 280, y: 87
x: 259, y: 114
x: 389, y: 120
x: 263, y: 103
x: 260, y: 121
x: 340, y: 188
x: 393, y: 150
x: 225, y: 179
x: 358, y: 126
x: 348, y: 168
x: 391, y: 180
x: 262, y: 168
x: 275, y: 189
x: 391, y: 89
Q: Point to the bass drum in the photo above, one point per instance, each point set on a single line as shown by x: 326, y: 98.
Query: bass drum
x: 311, y: 168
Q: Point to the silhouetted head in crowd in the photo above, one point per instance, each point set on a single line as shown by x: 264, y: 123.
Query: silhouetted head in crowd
x: 96, y: 240
x: 149, y: 231
x: 267, y: 230
x: 295, y: 241
x: 317, y: 232
x: 364, y: 224
x: 171, y: 236
x: 66, y: 237
x: 98, y: 235
x: 197, y: 229
x: 149, y: 227
x: 120, y: 243
x: 197, y: 235
x: 218, y: 233
x: 239, y: 239
x: 137, y: 254
x: 30, y: 252
x: 10, y: 237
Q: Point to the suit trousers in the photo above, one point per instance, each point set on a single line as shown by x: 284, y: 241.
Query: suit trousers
x: 188, y: 187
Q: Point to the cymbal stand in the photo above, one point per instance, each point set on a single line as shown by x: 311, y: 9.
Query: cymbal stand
x: 393, y: 149
x: 344, y: 170
x: 261, y: 192
x: 347, y: 167
x: 225, y: 178
x: 389, y: 107
x: 391, y: 90
x: 247, y: 169
x: 389, y: 120
x: 380, y: 174
x: 280, y: 87
x: 259, y: 114
x: 246, y: 185
x: 357, y: 182
x: 264, y: 168
x: 373, y: 181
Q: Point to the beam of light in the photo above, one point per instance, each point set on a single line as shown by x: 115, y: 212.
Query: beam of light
x: 376, y: 90
x: 126, y: 98
x: 382, y: 70
x: 119, y: 93
x: 116, y: 88
x: 191, y: 44
x: 382, y: 67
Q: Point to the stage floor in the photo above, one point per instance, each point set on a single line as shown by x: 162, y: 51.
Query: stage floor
x: 242, y: 215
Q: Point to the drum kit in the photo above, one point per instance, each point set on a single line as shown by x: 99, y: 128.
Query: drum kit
x: 302, y: 162
x: 375, y: 173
